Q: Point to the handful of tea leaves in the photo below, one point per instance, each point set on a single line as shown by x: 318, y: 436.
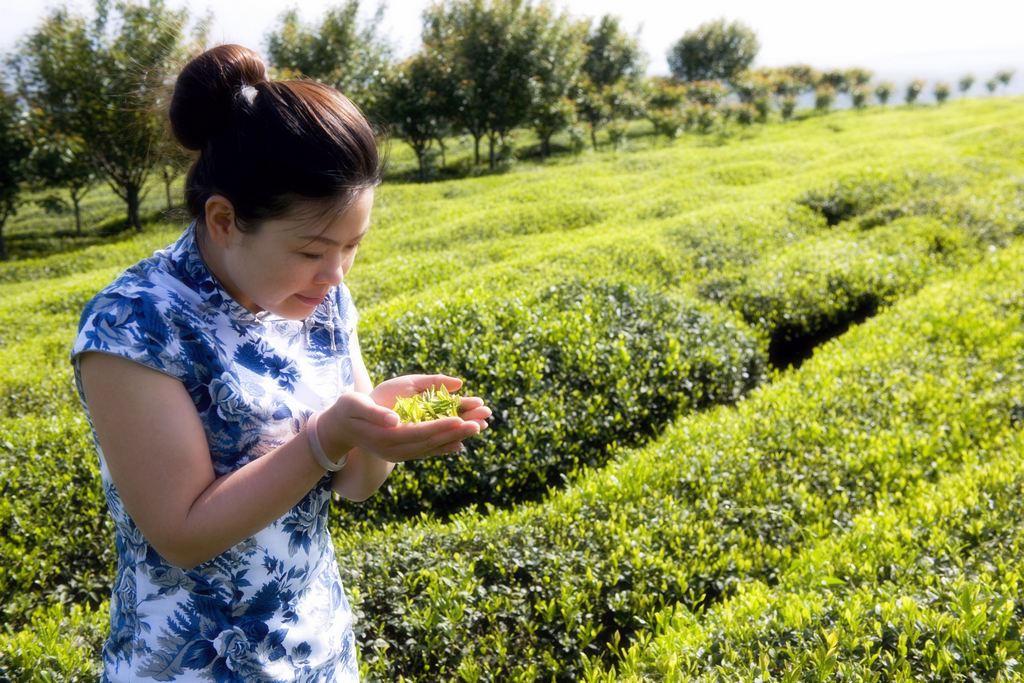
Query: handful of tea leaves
x: 432, y: 404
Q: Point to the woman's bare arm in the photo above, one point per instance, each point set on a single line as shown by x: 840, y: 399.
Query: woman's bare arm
x: 363, y: 473
x: 158, y: 456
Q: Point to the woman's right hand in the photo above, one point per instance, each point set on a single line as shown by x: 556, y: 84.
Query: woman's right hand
x: 356, y: 420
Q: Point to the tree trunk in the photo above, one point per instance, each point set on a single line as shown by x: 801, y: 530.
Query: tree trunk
x: 440, y: 143
x: 476, y: 149
x: 491, y: 140
x: 421, y: 154
x: 3, y: 245
x: 545, y: 146
x: 593, y: 136
x: 132, y: 197
x: 77, y: 201
x: 168, y: 179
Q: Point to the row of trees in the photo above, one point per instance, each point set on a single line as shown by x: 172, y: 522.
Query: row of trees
x: 83, y: 101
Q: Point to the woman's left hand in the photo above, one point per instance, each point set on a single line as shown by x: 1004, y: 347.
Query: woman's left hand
x: 471, y: 408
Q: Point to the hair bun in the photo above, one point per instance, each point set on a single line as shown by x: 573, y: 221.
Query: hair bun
x: 205, y: 92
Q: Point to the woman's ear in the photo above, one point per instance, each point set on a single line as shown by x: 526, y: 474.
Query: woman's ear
x: 220, y: 220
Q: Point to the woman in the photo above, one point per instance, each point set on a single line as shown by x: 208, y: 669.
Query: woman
x: 228, y: 397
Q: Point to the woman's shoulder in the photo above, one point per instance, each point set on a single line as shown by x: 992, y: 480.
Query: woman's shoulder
x: 141, y: 315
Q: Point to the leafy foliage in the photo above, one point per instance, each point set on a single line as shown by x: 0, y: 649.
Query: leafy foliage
x: 734, y: 497
x: 572, y: 371
x: 725, y: 498
x: 338, y: 51
x: 717, y: 50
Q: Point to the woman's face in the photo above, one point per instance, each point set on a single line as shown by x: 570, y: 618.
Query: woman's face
x: 288, y: 266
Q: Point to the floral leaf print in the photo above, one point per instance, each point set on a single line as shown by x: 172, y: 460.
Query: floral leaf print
x: 282, y: 369
x: 250, y: 356
x: 243, y: 615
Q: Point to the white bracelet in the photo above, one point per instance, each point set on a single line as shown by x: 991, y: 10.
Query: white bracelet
x: 318, y: 450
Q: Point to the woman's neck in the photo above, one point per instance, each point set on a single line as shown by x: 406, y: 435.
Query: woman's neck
x: 212, y: 255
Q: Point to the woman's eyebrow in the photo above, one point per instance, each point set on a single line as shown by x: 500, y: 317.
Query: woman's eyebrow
x: 320, y: 238
x: 328, y: 240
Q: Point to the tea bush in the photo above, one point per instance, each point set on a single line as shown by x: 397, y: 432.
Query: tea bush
x: 922, y: 591
x: 723, y: 498
x: 571, y: 371
x: 59, y: 644
x: 857, y: 194
x: 56, y: 538
x: 805, y: 293
x: 556, y: 589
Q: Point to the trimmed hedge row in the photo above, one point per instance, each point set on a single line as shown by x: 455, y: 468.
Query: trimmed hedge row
x: 60, y: 643
x: 572, y: 372
x: 56, y: 538
x: 121, y: 253
x: 725, y: 497
x: 930, y: 590
x: 876, y: 193
x: 812, y: 291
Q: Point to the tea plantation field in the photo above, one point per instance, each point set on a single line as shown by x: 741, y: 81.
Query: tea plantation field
x: 758, y: 405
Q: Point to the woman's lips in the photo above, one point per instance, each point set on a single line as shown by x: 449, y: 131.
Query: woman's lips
x: 309, y: 301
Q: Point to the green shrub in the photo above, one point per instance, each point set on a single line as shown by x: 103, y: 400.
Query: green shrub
x: 723, y: 498
x: 925, y: 590
x: 572, y: 371
x: 57, y: 644
x: 804, y: 294
x: 859, y: 193
x: 56, y: 538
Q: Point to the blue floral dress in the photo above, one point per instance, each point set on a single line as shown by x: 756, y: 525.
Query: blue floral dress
x: 271, y: 608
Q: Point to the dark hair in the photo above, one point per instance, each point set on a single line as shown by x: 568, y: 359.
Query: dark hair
x: 266, y: 145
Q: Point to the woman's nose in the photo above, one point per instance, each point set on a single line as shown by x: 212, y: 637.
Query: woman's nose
x: 332, y: 275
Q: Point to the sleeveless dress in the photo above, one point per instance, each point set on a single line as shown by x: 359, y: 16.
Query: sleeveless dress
x: 271, y: 608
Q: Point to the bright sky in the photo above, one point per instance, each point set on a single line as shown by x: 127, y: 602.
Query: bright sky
x: 898, y: 39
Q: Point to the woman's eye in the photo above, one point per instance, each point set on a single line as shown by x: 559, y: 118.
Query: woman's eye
x: 309, y: 256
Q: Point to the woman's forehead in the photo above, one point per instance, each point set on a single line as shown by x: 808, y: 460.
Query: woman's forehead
x: 311, y: 219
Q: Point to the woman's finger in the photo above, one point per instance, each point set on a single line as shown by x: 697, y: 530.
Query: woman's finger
x: 419, y: 433
x: 469, y: 403
x: 424, y: 382
x: 479, y: 413
x: 453, y: 447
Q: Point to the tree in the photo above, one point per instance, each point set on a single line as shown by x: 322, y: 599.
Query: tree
x: 824, y: 97
x: 612, y: 69
x: 99, y: 81
x: 941, y: 92
x: 716, y: 50
x: 59, y: 161
x: 883, y: 91
x: 837, y: 79
x: 859, y: 96
x: 14, y: 152
x: 485, y: 47
x: 914, y: 89
x: 1004, y: 76
x: 557, y: 59
x: 339, y: 51
x: 966, y: 82
x: 802, y: 77
x: 172, y: 159
x: 414, y: 102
